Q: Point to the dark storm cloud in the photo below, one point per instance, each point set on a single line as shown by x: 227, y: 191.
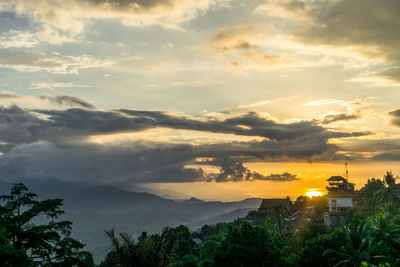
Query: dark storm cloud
x: 378, y: 145
x: 234, y: 171
x: 395, y: 117
x: 250, y: 124
x: 53, y: 143
x: 339, y: 117
x: 381, y: 149
x: 67, y: 100
x: 387, y: 156
x: 124, y: 164
x: 76, y: 123
x: 17, y: 126
x: 94, y: 163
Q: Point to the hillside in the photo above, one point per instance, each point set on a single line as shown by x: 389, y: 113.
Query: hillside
x: 93, y: 209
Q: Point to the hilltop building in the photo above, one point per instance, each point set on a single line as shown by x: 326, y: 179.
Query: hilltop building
x: 268, y: 203
x: 340, y: 200
x: 266, y: 208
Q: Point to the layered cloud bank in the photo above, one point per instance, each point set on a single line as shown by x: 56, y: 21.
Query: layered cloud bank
x: 80, y: 144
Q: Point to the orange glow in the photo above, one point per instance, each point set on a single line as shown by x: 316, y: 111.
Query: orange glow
x: 311, y: 176
x: 313, y: 193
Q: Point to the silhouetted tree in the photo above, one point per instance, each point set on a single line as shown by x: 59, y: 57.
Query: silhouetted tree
x: 172, y: 245
x: 368, y: 200
x: 390, y: 194
x: 9, y: 255
x: 45, y: 244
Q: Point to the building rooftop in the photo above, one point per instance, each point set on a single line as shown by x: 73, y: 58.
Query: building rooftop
x: 336, y: 179
x: 269, y: 202
x: 340, y: 194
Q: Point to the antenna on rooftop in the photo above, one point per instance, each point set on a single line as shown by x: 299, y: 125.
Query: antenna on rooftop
x: 346, y: 171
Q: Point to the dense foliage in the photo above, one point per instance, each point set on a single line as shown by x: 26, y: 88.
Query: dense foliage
x: 24, y: 242
x: 368, y: 236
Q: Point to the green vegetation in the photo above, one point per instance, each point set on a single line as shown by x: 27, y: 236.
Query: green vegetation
x: 23, y: 242
x: 368, y: 236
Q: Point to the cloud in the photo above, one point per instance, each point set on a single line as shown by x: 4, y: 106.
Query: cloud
x: 285, y: 9
x: 339, y: 117
x: 392, y: 75
x: 28, y: 39
x: 50, y: 62
x: 17, y: 126
x: 322, y: 102
x: 90, y: 163
x: 122, y: 164
x: 282, y: 177
x: 196, y: 83
x: 234, y: 171
x: 240, y: 42
x: 67, y: 100
x: 15, y: 38
x: 235, y: 37
x: 395, y: 117
x: 366, y: 27
x: 50, y: 84
x: 57, y: 143
x: 76, y: 124
x: 71, y: 16
x: 7, y: 95
x: 387, y: 156
x: 246, y: 106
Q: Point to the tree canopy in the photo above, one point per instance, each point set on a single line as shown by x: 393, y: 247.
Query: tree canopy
x: 26, y: 242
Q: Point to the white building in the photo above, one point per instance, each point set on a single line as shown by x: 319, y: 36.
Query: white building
x: 340, y: 200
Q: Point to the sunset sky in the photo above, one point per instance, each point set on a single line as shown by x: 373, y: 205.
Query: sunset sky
x: 216, y: 99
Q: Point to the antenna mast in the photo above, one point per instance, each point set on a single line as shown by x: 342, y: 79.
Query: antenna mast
x: 347, y: 172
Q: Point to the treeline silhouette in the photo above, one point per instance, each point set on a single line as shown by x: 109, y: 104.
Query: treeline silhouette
x: 369, y: 236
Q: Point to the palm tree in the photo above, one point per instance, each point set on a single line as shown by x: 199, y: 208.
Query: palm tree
x: 385, y: 230
x: 390, y: 194
x: 124, y: 249
x: 150, y: 251
x: 356, y: 247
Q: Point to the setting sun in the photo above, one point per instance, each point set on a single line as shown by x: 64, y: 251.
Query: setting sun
x: 314, y: 193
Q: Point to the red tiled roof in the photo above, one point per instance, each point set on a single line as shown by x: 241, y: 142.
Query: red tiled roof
x: 269, y: 202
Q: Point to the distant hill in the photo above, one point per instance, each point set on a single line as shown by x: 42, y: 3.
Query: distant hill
x: 193, y: 200
x: 227, y: 217
x: 93, y: 209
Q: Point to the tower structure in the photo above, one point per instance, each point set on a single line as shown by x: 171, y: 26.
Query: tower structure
x: 340, y: 199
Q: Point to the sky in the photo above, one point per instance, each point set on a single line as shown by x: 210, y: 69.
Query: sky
x: 216, y: 99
